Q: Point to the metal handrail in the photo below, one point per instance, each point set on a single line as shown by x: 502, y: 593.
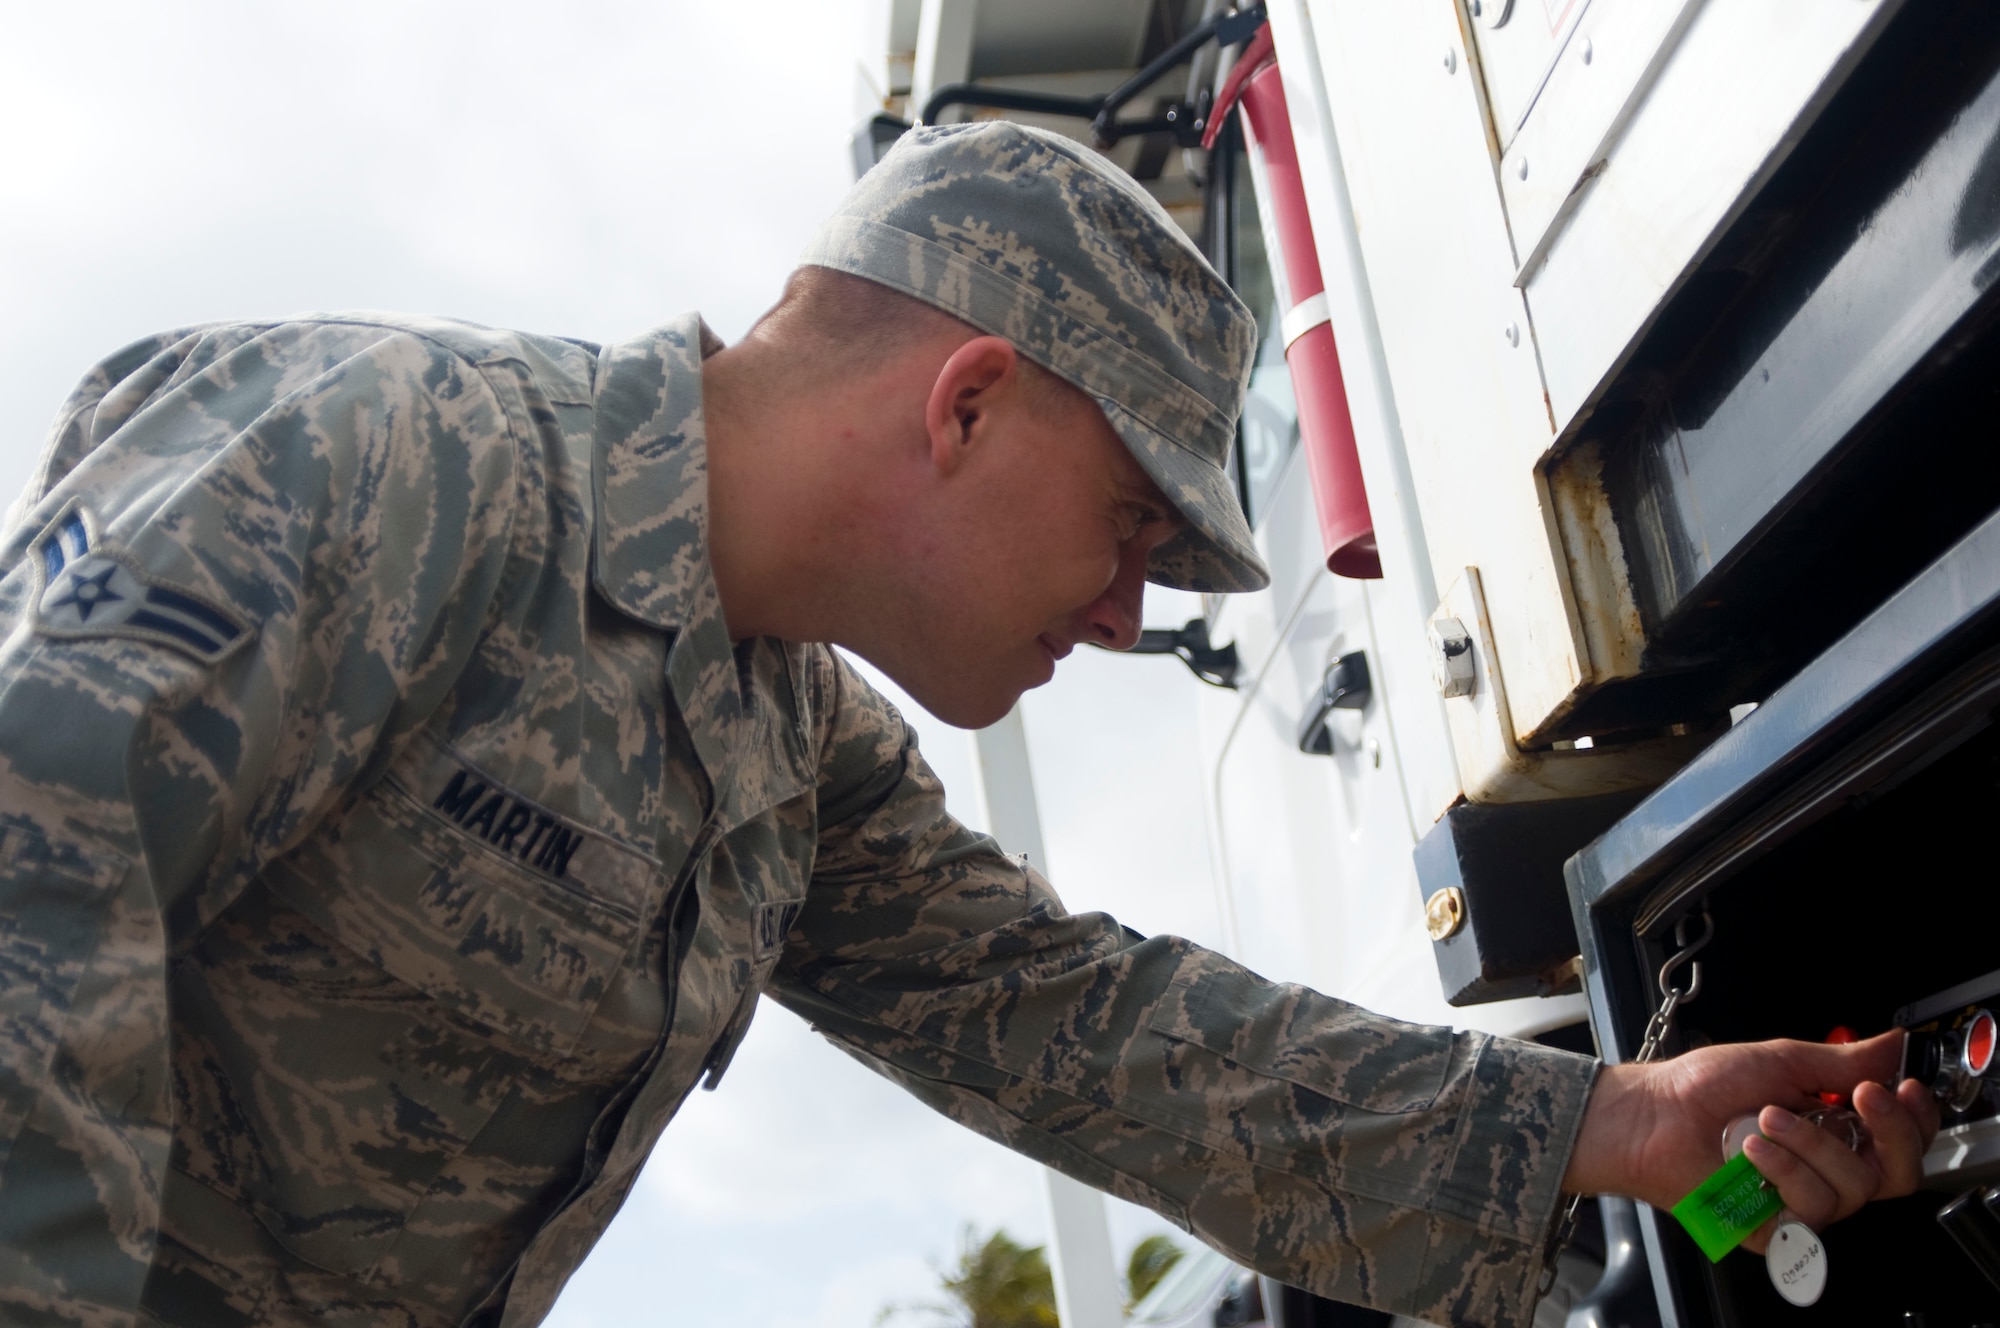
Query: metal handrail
x: 1184, y: 120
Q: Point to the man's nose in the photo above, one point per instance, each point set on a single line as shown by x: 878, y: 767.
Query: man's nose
x: 1114, y: 618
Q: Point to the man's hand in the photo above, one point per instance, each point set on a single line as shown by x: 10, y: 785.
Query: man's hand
x: 1654, y: 1132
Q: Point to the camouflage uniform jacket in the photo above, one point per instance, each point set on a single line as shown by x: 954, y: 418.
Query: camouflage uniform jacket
x: 391, y: 837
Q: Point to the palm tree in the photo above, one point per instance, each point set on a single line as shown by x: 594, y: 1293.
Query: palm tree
x: 997, y: 1284
x: 1150, y: 1260
x: 1002, y: 1284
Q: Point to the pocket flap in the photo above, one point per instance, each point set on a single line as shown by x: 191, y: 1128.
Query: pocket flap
x: 525, y: 956
x: 1321, y: 1044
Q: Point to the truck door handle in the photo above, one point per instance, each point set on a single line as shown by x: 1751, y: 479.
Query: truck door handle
x: 1345, y: 687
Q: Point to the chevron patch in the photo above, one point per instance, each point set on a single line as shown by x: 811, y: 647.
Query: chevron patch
x: 88, y: 591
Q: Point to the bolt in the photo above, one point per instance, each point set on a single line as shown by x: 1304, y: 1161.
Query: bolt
x: 1513, y: 334
x: 1450, y: 61
x: 1586, y: 51
x: 1522, y: 169
x: 1451, y: 657
x: 1478, y: 7
x: 1444, y: 913
x: 1375, y: 753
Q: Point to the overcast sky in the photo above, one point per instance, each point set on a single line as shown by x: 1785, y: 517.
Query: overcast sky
x: 588, y: 169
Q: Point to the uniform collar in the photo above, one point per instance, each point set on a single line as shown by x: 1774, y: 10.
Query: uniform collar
x: 650, y: 479
x: 650, y: 561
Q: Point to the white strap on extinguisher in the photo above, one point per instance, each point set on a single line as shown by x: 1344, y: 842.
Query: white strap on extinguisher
x: 1306, y: 315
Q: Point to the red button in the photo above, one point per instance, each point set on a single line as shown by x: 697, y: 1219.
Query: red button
x: 1979, y: 1041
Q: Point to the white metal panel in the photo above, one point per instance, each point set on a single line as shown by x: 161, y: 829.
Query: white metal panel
x: 1515, y: 53
x: 1733, y: 96
x: 1288, y: 540
x: 1402, y: 601
x: 1315, y: 850
x: 1460, y: 355
x: 905, y: 17
x: 1290, y: 794
x: 887, y: 56
x: 1603, y: 73
x: 944, y: 48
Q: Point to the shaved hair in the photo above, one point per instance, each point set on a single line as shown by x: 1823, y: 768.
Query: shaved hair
x: 853, y: 320
x: 850, y: 325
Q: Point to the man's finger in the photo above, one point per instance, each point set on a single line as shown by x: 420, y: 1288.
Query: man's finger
x: 1919, y: 1102
x: 1898, y: 1139
x: 1836, y: 1069
x: 1803, y: 1189
x: 1830, y: 1153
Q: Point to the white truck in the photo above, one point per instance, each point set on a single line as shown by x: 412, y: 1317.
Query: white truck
x: 1636, y: 563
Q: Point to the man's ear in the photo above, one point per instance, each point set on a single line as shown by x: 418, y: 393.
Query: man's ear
x: 963, y: 396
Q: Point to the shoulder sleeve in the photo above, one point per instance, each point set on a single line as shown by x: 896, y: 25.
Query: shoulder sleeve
x: 255, y: 558
x: 1375, y: 1162
x: 127, y: 378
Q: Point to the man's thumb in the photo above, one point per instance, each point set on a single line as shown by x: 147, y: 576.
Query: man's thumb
x: 1839, y: 1069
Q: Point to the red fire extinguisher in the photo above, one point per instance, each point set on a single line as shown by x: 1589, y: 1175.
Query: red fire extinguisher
x: 1325, y: 430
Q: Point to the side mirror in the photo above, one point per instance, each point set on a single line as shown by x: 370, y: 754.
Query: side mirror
x: 1215, y: 665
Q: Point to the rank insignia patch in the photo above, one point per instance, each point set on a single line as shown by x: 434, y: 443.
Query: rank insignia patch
x: 772, y: 920
x: 89, y: 591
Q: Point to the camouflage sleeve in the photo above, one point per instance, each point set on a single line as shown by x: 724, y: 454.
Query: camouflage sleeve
x: 1371, y: 1161
x: 253, y: 557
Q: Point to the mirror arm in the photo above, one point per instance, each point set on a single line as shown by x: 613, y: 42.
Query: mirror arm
x: 1214, y: 665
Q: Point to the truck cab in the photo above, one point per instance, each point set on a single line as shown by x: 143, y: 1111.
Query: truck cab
x: 1665, y: 361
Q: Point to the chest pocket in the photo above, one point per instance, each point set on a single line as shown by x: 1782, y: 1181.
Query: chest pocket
x: 346, y: 1033
x: 500, y: 911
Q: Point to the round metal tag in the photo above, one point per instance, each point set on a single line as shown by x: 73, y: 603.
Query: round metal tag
x: 1734, y: 1133
x: 1796, y: 1261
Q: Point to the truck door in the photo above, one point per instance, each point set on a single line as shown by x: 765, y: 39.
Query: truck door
x: 1313, y: 828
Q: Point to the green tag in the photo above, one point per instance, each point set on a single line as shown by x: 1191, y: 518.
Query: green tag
x: 1727, y: 1207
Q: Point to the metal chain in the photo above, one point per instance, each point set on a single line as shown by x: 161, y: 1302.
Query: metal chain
x: 1672, y: 998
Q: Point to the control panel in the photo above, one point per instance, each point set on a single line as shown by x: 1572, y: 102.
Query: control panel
x: 1953, y: 1044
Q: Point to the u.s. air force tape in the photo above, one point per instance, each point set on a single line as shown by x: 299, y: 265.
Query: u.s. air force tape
x: 90, y: 590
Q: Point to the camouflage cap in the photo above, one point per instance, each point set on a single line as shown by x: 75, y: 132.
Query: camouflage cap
x: 1031, y: 236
